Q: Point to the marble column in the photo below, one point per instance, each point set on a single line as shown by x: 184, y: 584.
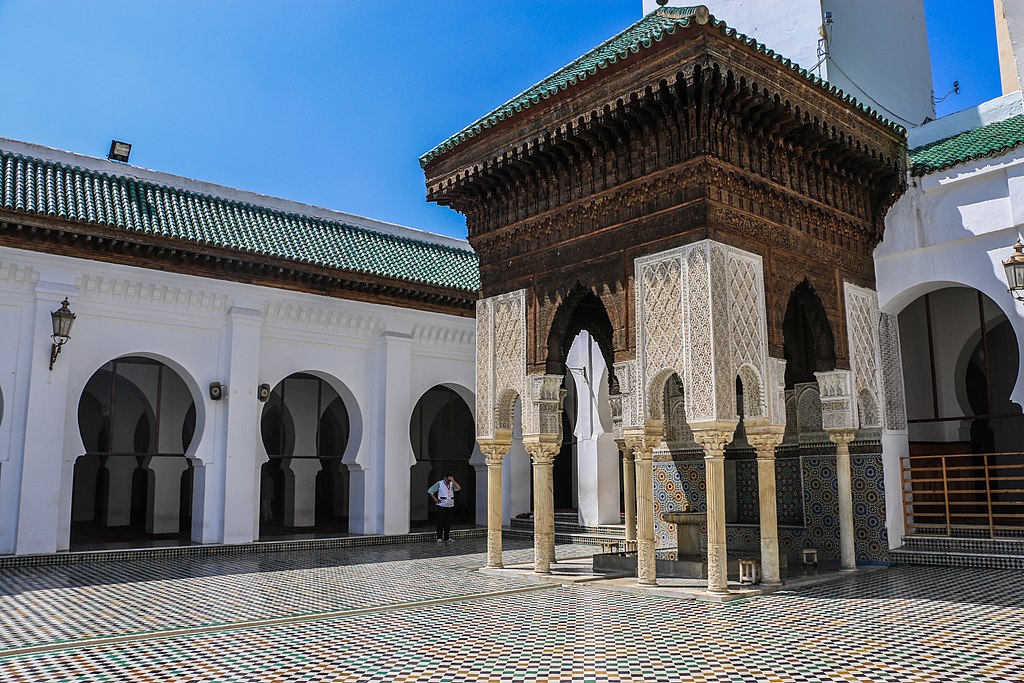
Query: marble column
x: 629, y: 490
x: 765, y: 442
x: 643, y: 455
x: 494, y: 453
x: 842, y: 438
x: 543, y: 455
x: 714, y: 441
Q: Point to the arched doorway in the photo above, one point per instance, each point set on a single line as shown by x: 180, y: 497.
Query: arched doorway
x: 304, y: 485
x: 137, y: 419
x: 442, y: 434
x: 587, y: 480
x: 960, y: 361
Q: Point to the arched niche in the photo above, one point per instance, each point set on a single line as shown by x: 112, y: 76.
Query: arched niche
x: 809, y: 343
x: 307, y: 429
x: 138, y: 421
x: 442, y: 433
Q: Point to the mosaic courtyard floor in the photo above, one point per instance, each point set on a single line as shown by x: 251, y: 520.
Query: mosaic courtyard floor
x: 418, y: 612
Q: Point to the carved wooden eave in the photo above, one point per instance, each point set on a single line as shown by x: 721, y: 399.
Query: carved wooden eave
x: 808, y: 155
x: 99, y: 243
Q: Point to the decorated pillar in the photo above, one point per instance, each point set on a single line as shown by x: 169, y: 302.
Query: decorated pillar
x: 543, y: 455
x: 764, y: 441
x: 641, y: 443
x: 494, y: 452
x: 842, y: 438
x: 839, y: 417
x: 714, y: 440
x: 628, y: 489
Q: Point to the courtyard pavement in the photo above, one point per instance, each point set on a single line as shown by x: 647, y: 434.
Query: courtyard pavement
x: 418, y: 612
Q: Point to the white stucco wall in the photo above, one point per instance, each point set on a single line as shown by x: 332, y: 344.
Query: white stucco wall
x: 380, y: 360
x: 955, y: 228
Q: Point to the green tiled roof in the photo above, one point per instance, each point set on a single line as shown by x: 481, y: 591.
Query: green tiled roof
x: 46, y: 188
x: 651, y: 29
x: 985, y: 141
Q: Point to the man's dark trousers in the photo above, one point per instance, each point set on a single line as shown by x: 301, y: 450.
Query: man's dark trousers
x: 444, y: 522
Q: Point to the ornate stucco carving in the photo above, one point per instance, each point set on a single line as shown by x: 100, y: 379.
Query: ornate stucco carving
x: 894, y: 399
x: 150, y: 294
x: 626, y: 412
x: 500, y: 360
x: 806, y: 403
x: 542, y: 407
x: 701, y: 314
x: 838, y: 404
x: 862, y: 318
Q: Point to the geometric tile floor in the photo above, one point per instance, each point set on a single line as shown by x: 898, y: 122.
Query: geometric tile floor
x: 355, y: 617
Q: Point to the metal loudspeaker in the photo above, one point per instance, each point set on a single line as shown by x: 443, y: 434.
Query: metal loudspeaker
x: 263, y: 393
x: 217, y: 391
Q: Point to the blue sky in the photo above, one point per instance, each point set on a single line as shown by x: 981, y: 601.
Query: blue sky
x: 328, y: 102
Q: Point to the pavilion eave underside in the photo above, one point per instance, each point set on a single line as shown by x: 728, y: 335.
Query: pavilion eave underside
x: 694, y: 94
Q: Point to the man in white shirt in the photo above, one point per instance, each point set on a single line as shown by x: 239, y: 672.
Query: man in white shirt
x: 443, y: 493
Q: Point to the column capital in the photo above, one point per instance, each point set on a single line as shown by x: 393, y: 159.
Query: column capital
x: 766, y: 439
x: 713, y: 437
x: 842, y: 437
x: 542, y: 452
x: 494, y: 451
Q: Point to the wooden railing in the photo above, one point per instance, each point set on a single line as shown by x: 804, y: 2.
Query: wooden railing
x: 971, y: 495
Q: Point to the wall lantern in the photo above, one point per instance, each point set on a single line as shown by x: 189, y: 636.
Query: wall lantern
x: 62, y: 320
x: 1014, y: 267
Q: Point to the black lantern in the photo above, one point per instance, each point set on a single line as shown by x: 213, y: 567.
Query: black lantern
x: 1014, y: 267
x: 62, y: 318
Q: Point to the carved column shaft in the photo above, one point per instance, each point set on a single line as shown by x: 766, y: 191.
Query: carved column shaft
x: 495, y: 456
x: 543, y: 456
x: 765, y: 444
x: 646, y: 570
x: 629, y: 491
x: 848, y: 550
x: 714, y: 441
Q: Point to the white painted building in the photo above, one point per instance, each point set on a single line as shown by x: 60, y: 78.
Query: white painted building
x: 122, y: 438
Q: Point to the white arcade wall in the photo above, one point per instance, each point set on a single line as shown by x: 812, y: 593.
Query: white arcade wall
x: 380, y: 360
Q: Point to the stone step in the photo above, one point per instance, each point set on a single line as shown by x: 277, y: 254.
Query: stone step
x: 985, y: 546
x: 942, y: 558
x: 561, y: 527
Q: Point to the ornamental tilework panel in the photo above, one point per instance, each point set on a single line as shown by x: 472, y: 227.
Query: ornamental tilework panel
x: 821, y: 506
x: 789, y: 492
x: 869, y: 508
x: 748, y: 506
x: 674, y: 484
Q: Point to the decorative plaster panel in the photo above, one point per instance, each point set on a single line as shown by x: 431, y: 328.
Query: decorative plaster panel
x: 894, y: 400
x: 838, y: 407
x: 321, y: 319
x: 141, y: 293
x: 862, y: 320
x: 501, y: 360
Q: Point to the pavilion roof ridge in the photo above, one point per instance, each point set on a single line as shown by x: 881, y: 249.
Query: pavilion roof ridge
x: 652, y: 28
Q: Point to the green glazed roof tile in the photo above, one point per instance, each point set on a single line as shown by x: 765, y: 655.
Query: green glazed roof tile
x: 35, y: 186
x: 651, y: 29
x: 984, y: 141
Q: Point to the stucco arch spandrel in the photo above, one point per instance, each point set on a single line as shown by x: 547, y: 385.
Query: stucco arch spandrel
x: 500, y: 361
x: 754, y: 404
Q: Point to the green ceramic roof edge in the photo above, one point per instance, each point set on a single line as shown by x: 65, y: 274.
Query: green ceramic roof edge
x: 226, y: 223
x: 989, y: 140
x: 649, y: 30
